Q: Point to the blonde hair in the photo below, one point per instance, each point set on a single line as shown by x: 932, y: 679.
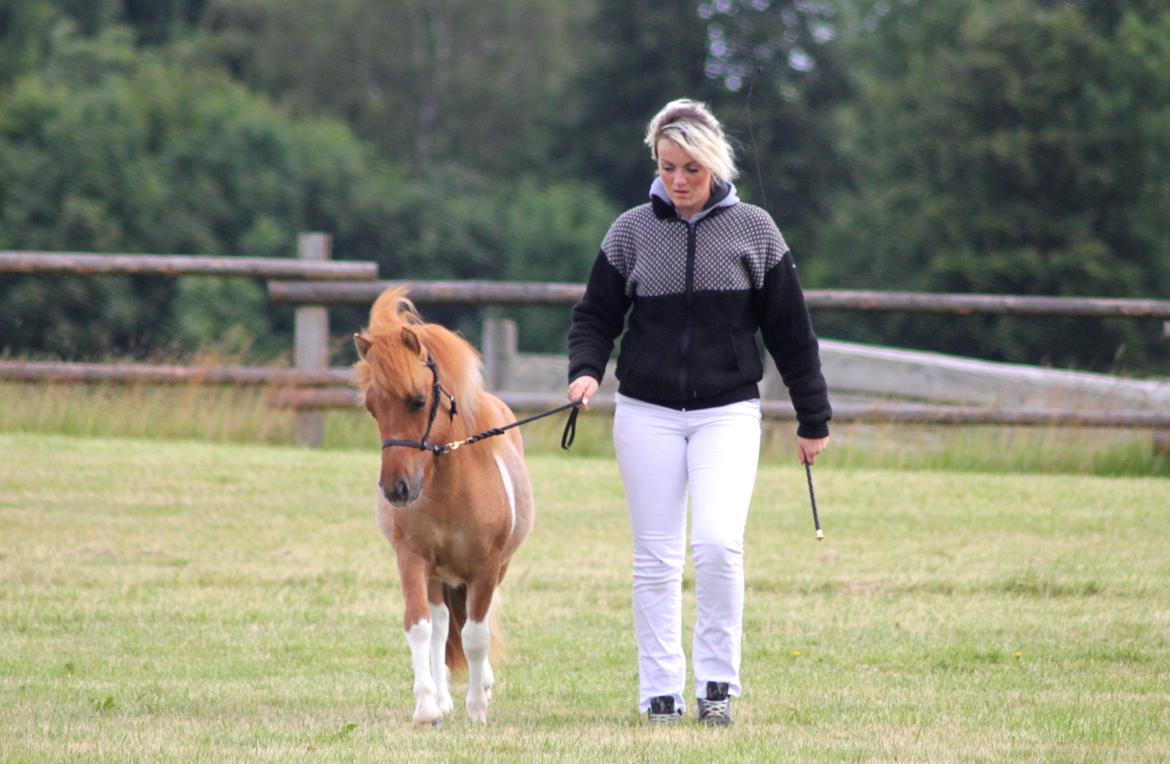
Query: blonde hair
x: 694, y: 128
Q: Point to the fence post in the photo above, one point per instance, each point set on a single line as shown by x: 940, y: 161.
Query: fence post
x: 499, y: 350
x: 1161, y: 442
x: 311, y: 339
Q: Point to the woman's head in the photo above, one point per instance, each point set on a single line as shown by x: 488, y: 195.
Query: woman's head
x: 694, y: 129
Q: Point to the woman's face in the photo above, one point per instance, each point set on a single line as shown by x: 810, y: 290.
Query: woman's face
x: 687, y: 182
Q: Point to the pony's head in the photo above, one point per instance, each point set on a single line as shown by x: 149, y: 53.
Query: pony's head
x: 403, y: 363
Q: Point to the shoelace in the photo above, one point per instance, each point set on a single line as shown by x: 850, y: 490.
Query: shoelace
x: 715, y: 709
x: 664, y: 718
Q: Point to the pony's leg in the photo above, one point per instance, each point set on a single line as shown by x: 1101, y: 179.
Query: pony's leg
x: 440, y: 623
x: 414, y: 575
x: 489, y: 676
x: 477, y: 639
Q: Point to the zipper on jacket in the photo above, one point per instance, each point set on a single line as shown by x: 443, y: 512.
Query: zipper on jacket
x: 685, y: 340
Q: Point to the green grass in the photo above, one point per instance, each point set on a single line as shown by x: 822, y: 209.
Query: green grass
x: 243, y: 415
x: 180, y: 601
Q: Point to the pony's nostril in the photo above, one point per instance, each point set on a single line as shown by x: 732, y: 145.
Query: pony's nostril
x: 397, y: 493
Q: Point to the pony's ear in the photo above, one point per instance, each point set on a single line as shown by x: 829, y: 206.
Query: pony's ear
x: 410, y: 339
x: 363, y: 343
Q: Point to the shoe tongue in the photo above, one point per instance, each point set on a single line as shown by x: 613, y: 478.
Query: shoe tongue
x: 717, y: 690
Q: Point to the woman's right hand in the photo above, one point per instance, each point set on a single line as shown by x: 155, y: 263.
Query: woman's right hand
x: 583, y: 389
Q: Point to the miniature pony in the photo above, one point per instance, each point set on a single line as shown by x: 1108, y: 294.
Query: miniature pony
x: 454, y: 516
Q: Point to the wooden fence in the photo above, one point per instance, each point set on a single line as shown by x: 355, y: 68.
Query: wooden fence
x: 562, y: 294
x: 311, y: 386
x: 311, y: 344
x: 88, y: 263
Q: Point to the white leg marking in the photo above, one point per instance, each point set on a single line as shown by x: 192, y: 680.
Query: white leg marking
x: 426, y: 709
x: 441, y: 618
x: 489, y: 678
x: 508, y: 489
x: 477, y: 639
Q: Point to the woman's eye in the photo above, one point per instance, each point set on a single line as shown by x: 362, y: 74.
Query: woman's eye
x: 416, y: 403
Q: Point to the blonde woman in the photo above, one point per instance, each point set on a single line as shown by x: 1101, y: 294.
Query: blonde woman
x: 698, y: 273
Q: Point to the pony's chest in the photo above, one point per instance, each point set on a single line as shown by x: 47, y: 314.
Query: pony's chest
x: 443, y: 543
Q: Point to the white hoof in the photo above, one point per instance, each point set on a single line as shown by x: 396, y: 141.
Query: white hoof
x: 477, y: 708
x: 426, y: 711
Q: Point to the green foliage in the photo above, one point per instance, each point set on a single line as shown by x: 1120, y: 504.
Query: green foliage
x: 645, y: 54
x: 479, y: 85
x: 108, y: 152
x: 225, y: 316
x: 998, y: 147
x: 24, y: 33
x: 551, y: 233
x: 782, y: 79
x: 976, y: 146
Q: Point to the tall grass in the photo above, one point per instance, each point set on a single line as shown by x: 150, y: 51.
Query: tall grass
x: 244, y: 415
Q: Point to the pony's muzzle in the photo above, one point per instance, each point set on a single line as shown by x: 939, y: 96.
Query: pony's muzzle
x: 399, y: 492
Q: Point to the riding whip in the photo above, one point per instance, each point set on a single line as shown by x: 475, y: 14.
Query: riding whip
x: 812, y: 497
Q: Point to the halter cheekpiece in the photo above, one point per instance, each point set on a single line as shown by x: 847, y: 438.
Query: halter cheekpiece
x: 436, y: 392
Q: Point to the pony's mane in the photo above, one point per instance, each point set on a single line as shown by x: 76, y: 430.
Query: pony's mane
x: 391, y: 366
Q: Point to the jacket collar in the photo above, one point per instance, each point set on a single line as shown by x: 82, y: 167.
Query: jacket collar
x: 723, y: 195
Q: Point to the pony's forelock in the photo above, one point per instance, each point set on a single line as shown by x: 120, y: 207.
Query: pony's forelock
x: 391, y: 366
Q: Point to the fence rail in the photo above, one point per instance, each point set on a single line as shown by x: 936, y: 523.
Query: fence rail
x: 899, y: 413
x: 89, y: 263
x: 432, y: 292
x: 563, y: 294
x: 319, y: 389
x: 312, y: 280
x: 1012, y: 305
x: 96, y: 373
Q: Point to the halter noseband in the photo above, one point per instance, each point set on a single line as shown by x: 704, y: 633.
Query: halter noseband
x: 436, y: 391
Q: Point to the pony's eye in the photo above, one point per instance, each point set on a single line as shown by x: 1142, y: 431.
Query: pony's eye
x: 416, y: 403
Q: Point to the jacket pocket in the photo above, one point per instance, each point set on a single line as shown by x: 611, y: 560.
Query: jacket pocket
x: 650, y: 367
x: 747, y: 355
x: 627, y: 357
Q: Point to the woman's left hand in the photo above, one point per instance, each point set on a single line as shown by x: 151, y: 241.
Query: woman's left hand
x: 808, y: 448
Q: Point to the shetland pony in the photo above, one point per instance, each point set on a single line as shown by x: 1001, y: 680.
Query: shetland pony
x: 454, y: 518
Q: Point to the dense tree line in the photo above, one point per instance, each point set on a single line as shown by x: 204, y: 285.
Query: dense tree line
x: 976, y: 145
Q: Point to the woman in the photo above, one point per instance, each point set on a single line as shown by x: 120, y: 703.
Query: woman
x: 698, y: 272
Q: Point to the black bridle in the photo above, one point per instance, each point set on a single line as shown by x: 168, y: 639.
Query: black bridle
x: 437, y: 391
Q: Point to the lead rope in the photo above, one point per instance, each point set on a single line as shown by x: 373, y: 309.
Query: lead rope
x: 567, y: 437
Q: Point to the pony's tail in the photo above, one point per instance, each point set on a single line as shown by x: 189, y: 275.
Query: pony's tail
x: 455, y: 598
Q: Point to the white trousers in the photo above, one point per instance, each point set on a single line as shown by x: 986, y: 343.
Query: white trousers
x: 663, y: 455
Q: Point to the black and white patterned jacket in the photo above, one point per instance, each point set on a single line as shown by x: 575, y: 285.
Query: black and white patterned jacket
x: 696, y: 294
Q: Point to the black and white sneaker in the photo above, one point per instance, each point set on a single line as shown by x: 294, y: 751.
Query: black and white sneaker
x: 662, y: 710
x: 715, y: 709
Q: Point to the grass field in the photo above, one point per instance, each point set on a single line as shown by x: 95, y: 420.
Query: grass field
x: 185, y: 601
